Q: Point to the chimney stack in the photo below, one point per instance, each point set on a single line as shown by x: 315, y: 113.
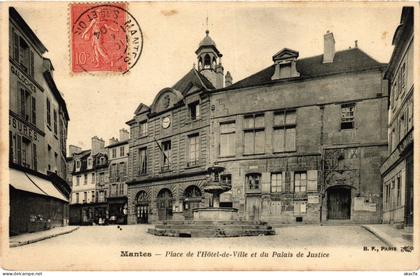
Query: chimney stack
x: 228, y: 79
x: 98, y: 145
x: 112, y: 141
x: 329, y: 48
x: 355, y: 44
x: 124, y: 134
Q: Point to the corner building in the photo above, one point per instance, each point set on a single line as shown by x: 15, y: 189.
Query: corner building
x: 303, y: 139
x: 38, y: 121
x: 398, y: 169
x: 169, y: 146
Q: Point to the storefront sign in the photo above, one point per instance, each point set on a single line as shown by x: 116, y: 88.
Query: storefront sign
x: 23, y: 129
x: 22, y: 78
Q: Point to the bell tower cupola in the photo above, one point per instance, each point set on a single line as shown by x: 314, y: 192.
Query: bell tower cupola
x: 209, y: 61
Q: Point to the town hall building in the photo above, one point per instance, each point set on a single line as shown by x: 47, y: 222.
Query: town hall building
x: 301, y: 141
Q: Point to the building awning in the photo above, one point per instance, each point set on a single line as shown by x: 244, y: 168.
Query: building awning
x: 33, y: 184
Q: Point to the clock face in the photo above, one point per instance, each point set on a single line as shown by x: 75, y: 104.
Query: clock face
x: 166, y: 122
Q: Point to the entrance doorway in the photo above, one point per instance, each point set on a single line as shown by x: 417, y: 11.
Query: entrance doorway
x: 142, y: 207
x: 338, y: 203
x: 164, y: 204
x: 192, y: 199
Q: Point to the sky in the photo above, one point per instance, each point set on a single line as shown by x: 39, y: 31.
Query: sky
x: 247, y: 34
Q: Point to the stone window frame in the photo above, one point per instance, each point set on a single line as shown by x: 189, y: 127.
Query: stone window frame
x: 232, y: 132
x: 347, y: 116
x: 283, y: 126
x: 256, y: 186
x: 254, y: 129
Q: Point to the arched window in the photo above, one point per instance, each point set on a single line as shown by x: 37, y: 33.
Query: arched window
x: 213, y: 64
x: 253, y: 181
x: 192, y: 192
x: 142, y: 197
x: 200, y: 63
x: 207, y: 61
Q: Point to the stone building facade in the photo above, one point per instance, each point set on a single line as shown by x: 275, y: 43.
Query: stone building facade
x: 398, y: 170
x: 38, y: 119
x: 169, y: 145
x: 89, y: 182
x: 99, y: 191
x: 302, y: 140
x: 118, y: 170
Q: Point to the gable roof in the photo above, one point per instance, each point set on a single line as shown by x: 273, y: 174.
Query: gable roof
x: 141, y: 109
x: 192, y: 78
x: 285, y: 54
x: 350, y: 60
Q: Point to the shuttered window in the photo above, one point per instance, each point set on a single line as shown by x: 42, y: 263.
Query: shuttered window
x: 15, y: 46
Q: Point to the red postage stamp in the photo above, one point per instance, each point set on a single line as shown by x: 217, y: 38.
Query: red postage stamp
x: 104, y: 38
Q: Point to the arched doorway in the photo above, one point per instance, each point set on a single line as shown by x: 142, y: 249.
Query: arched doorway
x: 192, y: 199
x: 142, y: 207
x: 164, y: 204
x: 339, y: 202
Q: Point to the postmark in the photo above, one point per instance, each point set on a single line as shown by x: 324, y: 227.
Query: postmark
x: 104, y: 38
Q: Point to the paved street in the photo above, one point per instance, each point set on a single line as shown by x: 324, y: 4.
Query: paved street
x: 104, y: 243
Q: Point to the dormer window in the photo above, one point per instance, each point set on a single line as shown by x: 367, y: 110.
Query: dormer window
x: 78, y: 165
x: 102, y: 161
x: 194, y: 110
x: 285, y: 64
x: 90, y: 162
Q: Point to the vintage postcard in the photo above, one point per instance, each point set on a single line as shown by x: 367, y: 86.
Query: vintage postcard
x: 209, y: 136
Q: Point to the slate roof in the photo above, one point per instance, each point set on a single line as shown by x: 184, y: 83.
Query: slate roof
x: 192, y: 78
x: 349, y: 60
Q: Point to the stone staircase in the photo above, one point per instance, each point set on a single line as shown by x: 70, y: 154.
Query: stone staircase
x: 211, y: 229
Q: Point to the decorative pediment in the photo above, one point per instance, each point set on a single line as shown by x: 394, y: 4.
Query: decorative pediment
x: 166, y: 99
x: 142, y: 108
x: 285, y: 54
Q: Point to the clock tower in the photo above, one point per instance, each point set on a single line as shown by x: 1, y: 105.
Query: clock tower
x: 209, y: 61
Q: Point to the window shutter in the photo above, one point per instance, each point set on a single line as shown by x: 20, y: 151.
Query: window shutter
x: 31, y: 63
x: 292, y: 181
x: 290, y: 139
x: 19, y: 149
x: 34, y: 110
x: 260, y: 141
x: 15, y: 46
x: 248, y: 142
x: 278, y: 140
x: 312, y: 180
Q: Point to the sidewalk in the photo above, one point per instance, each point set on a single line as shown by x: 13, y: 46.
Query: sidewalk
x: 28, y: 238
x: 389, y: 234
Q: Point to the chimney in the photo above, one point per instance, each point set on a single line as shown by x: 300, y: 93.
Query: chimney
x: 228, y: 79
x: 112, y: 141
x: 98, y: 145
x: 124, y: 134
x: 74, y: 149
x: 329, y: 48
